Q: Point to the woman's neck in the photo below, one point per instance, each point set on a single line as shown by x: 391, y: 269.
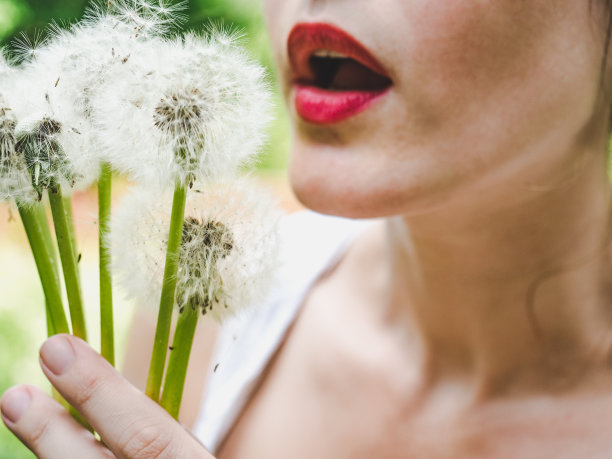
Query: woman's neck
x: 507, y: 295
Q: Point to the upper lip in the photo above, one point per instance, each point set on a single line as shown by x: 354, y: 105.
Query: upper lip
x: 306, y: 38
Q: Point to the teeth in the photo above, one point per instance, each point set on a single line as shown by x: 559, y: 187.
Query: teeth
x: 329, y: 54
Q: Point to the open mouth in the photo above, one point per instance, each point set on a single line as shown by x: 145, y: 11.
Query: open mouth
x: 334, y: 75
x: 335, y: 71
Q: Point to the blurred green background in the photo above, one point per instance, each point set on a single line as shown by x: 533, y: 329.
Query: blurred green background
x: 22, y: 325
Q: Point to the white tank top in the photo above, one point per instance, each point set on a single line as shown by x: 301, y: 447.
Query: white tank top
x: 311, y: 244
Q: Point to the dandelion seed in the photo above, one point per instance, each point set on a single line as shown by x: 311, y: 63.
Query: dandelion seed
x: 228, y: 251
x: 26, y: 48
x: 171, y: 13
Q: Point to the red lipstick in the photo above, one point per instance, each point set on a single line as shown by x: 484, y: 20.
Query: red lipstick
x: 334, y: 76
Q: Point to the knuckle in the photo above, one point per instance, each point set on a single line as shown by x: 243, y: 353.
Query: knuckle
x: 146, y: 442
x: 38, y: 433
x: 90, y: 387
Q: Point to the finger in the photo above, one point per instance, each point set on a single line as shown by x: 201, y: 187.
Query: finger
x: 129, y: 423
x: 46, y: 428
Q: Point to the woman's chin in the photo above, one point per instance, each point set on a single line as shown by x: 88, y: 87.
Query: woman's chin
x: 328, y: 196
x: 368, y: 181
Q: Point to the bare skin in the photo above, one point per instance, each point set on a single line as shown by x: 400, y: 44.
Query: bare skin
x: 474, y: 320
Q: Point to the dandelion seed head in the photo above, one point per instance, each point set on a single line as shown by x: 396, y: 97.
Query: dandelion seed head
x: 228, y: 251
x: 49, y: 129
x: 36, y: 140
x: 199, y: 112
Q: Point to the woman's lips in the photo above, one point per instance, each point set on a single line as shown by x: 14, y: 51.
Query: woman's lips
x: 323, y: 105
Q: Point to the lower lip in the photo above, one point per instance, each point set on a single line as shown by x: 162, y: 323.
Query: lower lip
x: 321, y: 106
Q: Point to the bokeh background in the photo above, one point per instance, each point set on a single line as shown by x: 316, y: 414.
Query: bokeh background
x: 22, y: 324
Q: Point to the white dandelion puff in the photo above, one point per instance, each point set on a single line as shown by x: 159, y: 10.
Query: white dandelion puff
x: 199, y: 113
x: 228, y: 252
x: 57, y: 145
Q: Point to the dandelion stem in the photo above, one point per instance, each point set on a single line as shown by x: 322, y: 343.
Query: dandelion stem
x: 37, y: 229
x: 179, y: 358
x: 107, y: 334
x: 166, y: 304
x: 69, y: 263
x: 50, y: 327
x: 70, y: 223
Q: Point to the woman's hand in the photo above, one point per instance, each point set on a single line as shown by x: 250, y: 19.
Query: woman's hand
x: 128, y: 422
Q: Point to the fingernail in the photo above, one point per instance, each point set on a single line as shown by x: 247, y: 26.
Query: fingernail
x: 57, y: 354
x: 15, y: 402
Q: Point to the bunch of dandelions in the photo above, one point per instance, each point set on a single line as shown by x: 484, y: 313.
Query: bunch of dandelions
x: 198, y: 114
x: 226, y: 260
x: 115, y: 92
x: 56, y: 139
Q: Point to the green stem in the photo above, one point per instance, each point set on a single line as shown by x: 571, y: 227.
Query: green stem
x: 50, y: 327
x: 49, y: 243
x: 70, y: 223
x: 69, y: 264
x: 166, y: 304
x: 37, y: 229
x: 179, y: 358
x: 106, y: 281
x: 39, y: 233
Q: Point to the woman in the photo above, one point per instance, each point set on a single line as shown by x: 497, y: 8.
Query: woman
x: 474, y: 319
